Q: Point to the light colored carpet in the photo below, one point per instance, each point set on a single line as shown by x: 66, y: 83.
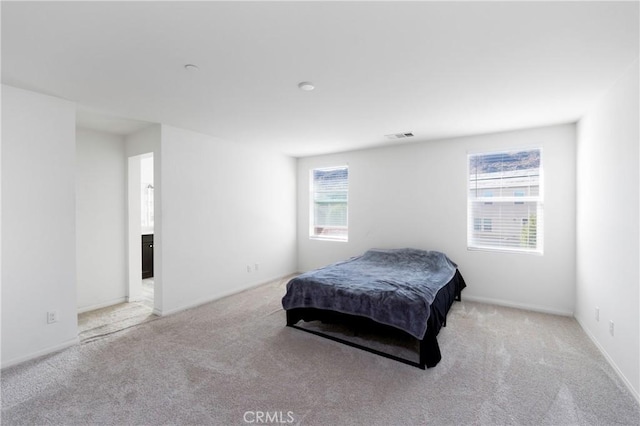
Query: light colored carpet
x: 100, y: 323
x: 213, y: 364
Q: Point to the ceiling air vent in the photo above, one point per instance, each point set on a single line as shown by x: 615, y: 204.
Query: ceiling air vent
x: 399, y: 135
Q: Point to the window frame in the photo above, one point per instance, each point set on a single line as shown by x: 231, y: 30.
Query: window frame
x: 312, y: 204
x: 474, y: 243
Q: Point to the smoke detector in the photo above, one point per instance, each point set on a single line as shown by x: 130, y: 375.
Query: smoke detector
x: 307, y: 86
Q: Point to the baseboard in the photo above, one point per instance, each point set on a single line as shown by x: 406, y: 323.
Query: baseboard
x: 611, y: 362
x: 218, y: 296
x: 523, y: 306
x: 42, y: 352
x: 102, y: 305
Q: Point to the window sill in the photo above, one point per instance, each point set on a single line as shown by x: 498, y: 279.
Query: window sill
x: 506, y: 250
x: 318, y: 238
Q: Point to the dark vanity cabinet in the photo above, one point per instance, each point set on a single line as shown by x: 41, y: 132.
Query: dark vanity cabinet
x: 147, y: 256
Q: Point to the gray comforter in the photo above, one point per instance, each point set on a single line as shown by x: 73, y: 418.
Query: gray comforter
x: 393, y: 287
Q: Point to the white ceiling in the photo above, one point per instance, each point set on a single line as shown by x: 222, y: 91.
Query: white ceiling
x: 436, y: 69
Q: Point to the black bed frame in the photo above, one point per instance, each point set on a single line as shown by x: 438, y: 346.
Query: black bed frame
x: 429, y: 350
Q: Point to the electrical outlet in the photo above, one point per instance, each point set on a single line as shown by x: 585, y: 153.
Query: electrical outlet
x: 52, y: 316
x: 597, y: 314
x: 256, y: 267
x: 249, y: 268
x: 611, y: 327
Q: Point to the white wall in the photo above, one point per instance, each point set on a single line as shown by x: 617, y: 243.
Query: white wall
x: 224, y: 206
x: 414, y: 195
x: 144, y: 141
x: 100, y: 219
x: 608, y: 211
x: 38, y: 228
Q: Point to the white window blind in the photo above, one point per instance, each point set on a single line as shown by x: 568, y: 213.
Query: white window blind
x: 505, y: 201
x: 329, y: 203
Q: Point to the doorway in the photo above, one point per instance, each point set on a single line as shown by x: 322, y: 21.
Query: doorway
x: 140, y: 298
x: 147, y: 229
x: 141, y: 228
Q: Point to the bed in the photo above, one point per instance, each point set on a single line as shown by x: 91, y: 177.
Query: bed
x: 407, y: 291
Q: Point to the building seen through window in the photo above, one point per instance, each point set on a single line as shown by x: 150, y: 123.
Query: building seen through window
x: 330, y: 198
x: 505, y: 201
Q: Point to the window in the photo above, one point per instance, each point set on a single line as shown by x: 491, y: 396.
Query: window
x: 329, y: 203
x: 518, y: 194
x: 505, y: 196
x: 486, y: 195
x: 146, y: 192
